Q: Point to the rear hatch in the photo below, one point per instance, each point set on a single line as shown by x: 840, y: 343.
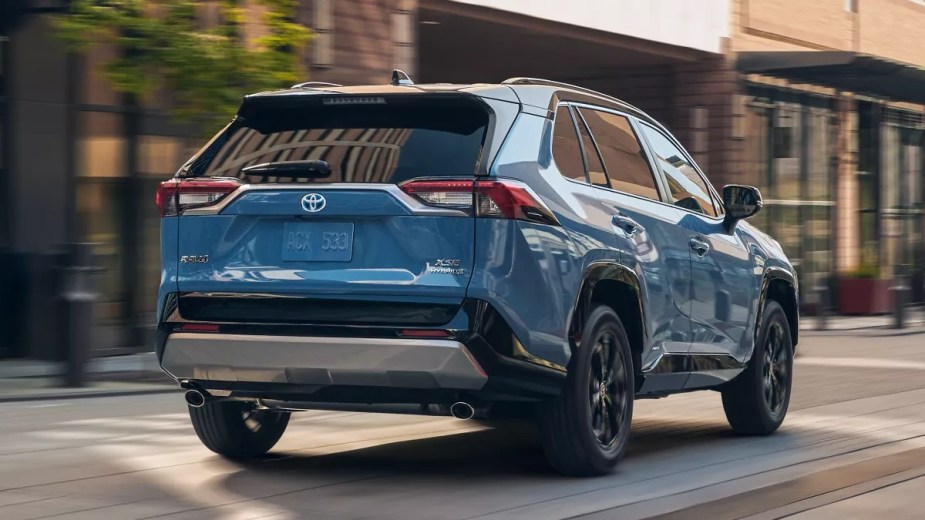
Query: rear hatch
x: 331, y: 209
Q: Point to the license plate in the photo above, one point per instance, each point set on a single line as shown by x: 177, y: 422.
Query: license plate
x: 317, y: 241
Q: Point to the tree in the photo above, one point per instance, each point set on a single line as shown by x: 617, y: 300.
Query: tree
x: 163, y: 45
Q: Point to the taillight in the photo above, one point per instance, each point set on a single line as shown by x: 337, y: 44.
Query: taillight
x: 455, y: 194
x: 510, y: 199
x: 501, y: 198
x: 176, y: 195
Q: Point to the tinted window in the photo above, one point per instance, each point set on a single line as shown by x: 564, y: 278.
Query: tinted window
x: 596, y: 171
x: 565, y: 148
x: 359, y: 143
x: 626, y: 164
x: 687, y: 188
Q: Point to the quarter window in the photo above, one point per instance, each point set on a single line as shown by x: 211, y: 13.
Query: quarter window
x: 687, y: 187
x: 623, y: 157
x: 565, y: 147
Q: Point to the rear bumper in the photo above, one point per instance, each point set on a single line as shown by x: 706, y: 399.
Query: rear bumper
x: 322, y: 361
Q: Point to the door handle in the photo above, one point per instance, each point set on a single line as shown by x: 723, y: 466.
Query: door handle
x: 626, y: 224
x: 699, y: 246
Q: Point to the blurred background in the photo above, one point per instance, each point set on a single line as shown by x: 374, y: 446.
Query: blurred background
x: 819, y: 103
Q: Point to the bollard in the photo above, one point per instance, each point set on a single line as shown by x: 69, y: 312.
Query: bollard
x: 822, y: 296
x: 899, y: 302
x: 78, y: 297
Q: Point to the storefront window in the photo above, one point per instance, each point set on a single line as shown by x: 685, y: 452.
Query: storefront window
x: 818, y: 197
x: 757, y: 138
x: 100, y: 202
x: 116, y: 212
x: 891, y: 193
x: 868, y: 184
x: 786, y: 141
x: 900, y: 201
x: 790, y: 145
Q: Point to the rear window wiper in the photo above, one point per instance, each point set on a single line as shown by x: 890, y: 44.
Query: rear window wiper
x: 316, y: 169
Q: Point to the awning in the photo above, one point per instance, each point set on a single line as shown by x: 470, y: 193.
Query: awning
x: 849, y: 71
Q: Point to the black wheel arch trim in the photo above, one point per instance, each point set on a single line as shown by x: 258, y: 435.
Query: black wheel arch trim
x: 773, y: 274
x: 596, y: 272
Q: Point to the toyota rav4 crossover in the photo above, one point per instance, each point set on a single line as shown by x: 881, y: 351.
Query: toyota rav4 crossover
x: 528, y: 249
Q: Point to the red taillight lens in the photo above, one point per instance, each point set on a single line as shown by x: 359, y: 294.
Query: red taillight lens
x: 176, y: 195
x: 510, y: 199
x: 425, y: 333
x: 502, y: 198
x: 198, y: 327
x: 448, y: 194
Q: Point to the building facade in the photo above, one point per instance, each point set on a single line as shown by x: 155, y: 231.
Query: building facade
x: 831, y: 109
x: 774, y: 93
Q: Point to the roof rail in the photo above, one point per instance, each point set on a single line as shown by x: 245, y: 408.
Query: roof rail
x: 551, y: 83
x: 315, y: 84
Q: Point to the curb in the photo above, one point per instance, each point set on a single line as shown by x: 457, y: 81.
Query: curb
x: 63, y: 395
x: 866, y: 332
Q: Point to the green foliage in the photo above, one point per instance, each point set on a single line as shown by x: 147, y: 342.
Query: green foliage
x: 162, y: 44
x: 866, y: 270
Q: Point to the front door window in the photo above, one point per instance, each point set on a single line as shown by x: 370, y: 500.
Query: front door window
x: 688, y: 189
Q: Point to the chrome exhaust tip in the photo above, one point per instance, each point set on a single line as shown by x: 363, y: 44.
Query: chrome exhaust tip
x: 462, y: 410
x: 195, y: 398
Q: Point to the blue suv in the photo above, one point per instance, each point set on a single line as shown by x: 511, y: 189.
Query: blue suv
x: 528, y: 249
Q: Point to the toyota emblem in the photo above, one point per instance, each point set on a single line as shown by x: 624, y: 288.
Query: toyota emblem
x: 313, y: 203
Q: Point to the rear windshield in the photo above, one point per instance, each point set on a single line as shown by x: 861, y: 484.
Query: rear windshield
x: 366, y: 143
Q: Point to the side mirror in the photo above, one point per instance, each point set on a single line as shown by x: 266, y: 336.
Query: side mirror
x: 741, y: 202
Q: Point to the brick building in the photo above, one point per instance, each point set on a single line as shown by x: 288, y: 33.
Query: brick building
x: 818, y: 102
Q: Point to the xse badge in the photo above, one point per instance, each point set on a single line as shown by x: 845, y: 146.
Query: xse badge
x: 446, y: 266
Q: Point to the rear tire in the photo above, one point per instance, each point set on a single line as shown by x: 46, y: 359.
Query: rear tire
x: 586, y: 428
x: 236, y: 430
x: 756, y: 401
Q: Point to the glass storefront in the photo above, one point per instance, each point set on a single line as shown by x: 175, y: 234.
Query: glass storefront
x: 100, y: 187
x: 116, y: 212
x: 791, y: 154
x: 891, y: 197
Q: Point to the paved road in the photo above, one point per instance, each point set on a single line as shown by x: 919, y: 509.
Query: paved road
x: 852, y: 447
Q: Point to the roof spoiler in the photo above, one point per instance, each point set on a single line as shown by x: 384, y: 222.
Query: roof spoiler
x: 400, y: 78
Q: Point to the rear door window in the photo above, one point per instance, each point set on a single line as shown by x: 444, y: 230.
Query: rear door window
x: 356, y: 144
x: 596, y: 173
x: 566, y: 149
x: 622, y: 154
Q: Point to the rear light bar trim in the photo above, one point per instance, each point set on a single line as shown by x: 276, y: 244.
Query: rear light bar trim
x: 495, y: 198
x: 413, y: 204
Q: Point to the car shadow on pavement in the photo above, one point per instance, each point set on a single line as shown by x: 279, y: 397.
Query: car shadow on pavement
x: 476, y: 472
x: 511, y: 450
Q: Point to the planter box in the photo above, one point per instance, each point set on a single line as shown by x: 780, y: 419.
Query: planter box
x: 865, y: 296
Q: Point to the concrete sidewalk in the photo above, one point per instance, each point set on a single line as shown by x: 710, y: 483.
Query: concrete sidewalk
x: 143, y: 363
x: 48, y: 389
x: 30, y: 380
x: 914, y: 319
